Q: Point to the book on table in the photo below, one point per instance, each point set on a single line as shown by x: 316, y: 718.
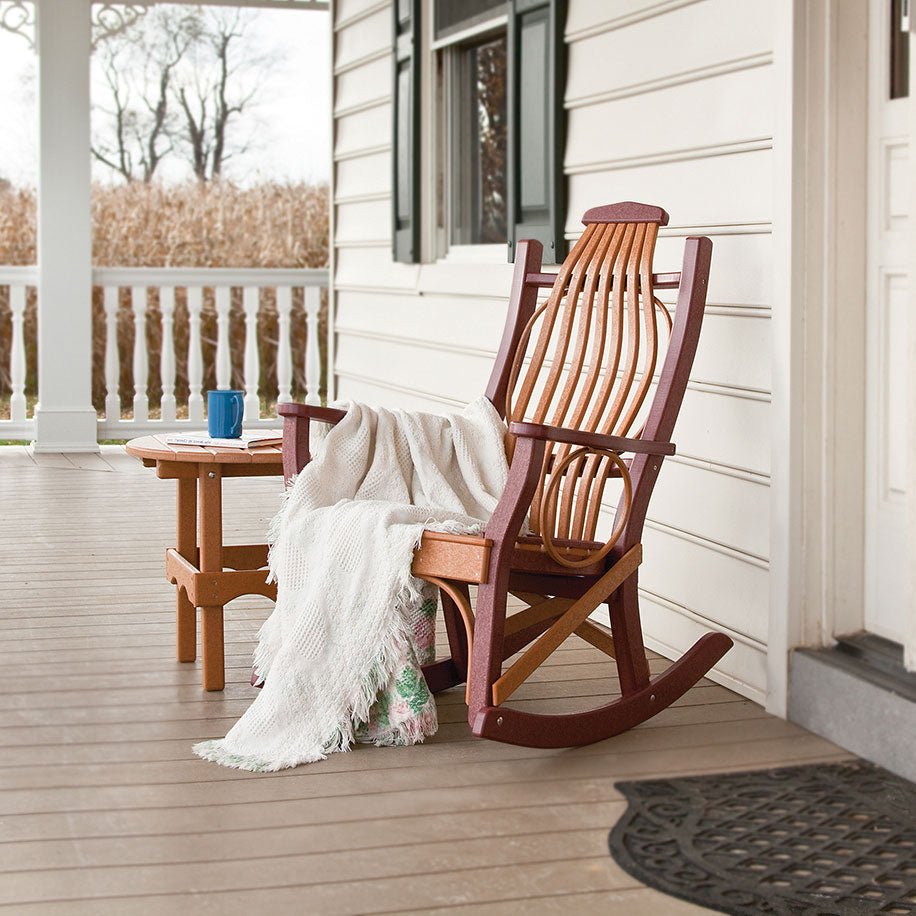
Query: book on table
x: 259, y: 439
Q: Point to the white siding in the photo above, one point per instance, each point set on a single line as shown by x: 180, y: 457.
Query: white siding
x: 669, y: 103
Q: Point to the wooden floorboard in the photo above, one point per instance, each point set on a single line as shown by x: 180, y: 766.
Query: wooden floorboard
x: 104, y: 809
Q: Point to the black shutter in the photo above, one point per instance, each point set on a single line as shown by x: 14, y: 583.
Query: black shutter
x: 537, y: 125
x: 405, y: 143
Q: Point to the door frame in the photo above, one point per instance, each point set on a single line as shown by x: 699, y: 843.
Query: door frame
x: 909, y: 645
x: 818, y: 427
x: 879, y: 515
x: 819, y: 349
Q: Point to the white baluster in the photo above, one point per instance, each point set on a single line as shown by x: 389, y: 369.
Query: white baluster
x: 195, y: 358
x: 251, y: 301
x: 17, y: 357
x: 112, y: 358
x: 284, y: 363
x: 223, y: 356
x: 312, y: 352
x: 167, y: 356
x: 141, y: 359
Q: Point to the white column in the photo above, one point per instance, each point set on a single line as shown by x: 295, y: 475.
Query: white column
x: 64, y: 417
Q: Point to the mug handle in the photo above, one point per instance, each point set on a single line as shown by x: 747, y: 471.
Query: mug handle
x: 238, y: 412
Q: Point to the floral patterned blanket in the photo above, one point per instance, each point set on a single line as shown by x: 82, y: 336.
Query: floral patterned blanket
x: 404, y: 706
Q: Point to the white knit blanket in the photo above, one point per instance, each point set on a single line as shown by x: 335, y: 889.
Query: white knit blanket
x: 340, y: 654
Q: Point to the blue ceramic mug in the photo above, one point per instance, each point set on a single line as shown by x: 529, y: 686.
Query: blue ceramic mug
x: 225, y: 410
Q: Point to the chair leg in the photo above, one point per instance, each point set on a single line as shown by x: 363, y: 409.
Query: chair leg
x: 457, y: 635
x: 449, y: 672
x: 632, y: 664
x: 487, y: 657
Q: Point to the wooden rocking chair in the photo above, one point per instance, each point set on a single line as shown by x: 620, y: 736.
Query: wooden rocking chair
x: 574, y: 402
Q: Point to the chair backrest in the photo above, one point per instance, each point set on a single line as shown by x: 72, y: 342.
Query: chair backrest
x: 587, y: 359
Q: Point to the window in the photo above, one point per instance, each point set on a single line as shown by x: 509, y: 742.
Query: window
x: 497, y: 85
x: 478, y: 178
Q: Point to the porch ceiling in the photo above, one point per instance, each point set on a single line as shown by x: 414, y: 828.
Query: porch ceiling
x: 105, y: 809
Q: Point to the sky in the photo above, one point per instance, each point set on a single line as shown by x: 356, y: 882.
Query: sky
x: 293, y: 118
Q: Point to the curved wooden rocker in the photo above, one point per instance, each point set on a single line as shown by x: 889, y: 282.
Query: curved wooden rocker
x: 573, y: 378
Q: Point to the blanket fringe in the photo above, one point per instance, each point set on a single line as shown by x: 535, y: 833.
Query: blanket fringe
x: 215, y: 752
x: 343, y: 737
x: 413, y: 731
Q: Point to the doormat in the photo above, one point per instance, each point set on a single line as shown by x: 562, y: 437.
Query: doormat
x: 818, y: 840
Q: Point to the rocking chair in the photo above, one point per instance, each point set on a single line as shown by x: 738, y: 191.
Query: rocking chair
x: 576, y: 401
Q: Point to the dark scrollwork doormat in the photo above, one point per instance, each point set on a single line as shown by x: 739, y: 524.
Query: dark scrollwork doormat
x: 818, y: 840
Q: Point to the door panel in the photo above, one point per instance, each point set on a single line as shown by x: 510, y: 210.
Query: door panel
x: 889, y: 234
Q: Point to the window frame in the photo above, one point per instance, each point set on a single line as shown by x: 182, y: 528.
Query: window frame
x: 407, y: 53
x: 446, y: 118
x: 435, y: 160
x: 545, y: 223
x: 463, y: 192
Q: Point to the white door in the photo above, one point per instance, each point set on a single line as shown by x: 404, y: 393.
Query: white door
x: 888, y: 305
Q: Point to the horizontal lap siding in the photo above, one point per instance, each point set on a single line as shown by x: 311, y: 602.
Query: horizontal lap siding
x: 363, y: 176
x: 672, y: 103
x: 362, y: 131
x: 669, y: 102
x: 363, y: 86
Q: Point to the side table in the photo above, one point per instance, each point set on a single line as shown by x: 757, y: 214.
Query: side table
x: 207, y: 574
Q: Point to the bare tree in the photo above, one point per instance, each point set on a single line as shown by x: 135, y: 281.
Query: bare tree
x: 138, y: 65
x: 177, y: 83
x: 221, y: 89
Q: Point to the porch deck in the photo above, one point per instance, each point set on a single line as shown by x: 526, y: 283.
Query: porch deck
x: 103, y: 808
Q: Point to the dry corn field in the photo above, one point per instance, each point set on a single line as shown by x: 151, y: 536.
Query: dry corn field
x: 210, y: 225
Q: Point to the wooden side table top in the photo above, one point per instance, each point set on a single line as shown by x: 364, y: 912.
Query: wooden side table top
x: 153, y: 449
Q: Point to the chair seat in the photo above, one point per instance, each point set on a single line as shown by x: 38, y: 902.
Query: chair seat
x: 466, y: 558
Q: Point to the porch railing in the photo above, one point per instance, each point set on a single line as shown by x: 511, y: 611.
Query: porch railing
x: 172, y: 305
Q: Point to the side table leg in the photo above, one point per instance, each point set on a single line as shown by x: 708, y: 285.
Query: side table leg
x: 185, y: 612
x: 211, y: 560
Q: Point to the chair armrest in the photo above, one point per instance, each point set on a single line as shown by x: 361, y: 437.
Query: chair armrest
x: 311, y: 412
x: 297, y: 421
x: 505, y: 524
x: 590, y: 440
